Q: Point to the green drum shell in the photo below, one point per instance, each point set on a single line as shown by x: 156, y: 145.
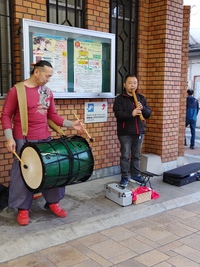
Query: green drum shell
x: 64, y: 161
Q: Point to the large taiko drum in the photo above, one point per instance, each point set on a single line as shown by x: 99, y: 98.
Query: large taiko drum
x: 56, y: 163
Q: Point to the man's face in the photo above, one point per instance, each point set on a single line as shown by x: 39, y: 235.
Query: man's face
x: 130, y: 84
x: 43, y: 75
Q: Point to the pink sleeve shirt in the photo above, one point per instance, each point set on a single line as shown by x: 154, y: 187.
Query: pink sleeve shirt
x: 40, y: 105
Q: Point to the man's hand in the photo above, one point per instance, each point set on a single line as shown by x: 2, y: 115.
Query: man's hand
x: 136, y: 112
x: 11, y: 145
x: 78, y: 125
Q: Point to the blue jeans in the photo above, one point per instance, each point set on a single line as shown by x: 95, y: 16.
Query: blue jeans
x: 130, y: 154
x: 192, y: 124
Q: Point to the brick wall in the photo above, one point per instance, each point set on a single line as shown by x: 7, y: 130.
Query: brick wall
x: 184, y: 71
x: 105, y: 146
x: 162, y: 68
x: 162, y: 63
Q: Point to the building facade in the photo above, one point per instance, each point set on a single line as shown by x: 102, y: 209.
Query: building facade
x: 162, y: 64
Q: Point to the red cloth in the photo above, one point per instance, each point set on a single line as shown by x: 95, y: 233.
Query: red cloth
x: 40, y: 105
x: 143, y: 189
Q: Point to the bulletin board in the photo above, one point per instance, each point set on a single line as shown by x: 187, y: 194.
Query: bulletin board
x: 83, y: 60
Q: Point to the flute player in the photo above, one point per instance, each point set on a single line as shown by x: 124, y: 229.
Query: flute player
x: 130, y: 129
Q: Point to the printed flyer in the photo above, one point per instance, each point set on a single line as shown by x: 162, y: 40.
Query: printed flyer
x: 87, y: 67
x: 53, y: 49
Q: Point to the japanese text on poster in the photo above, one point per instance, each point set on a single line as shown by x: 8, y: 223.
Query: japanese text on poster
x: 53, y: 49
x: 87, y: 67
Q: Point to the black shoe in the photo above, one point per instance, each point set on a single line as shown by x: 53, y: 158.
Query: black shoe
x: 192, y: 147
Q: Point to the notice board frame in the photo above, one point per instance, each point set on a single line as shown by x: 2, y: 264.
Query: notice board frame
x: 102, y: 78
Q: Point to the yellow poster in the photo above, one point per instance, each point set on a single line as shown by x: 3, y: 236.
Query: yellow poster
x: 87, y: 67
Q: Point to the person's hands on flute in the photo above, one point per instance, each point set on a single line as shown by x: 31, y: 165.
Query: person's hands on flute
x: 137, y: 111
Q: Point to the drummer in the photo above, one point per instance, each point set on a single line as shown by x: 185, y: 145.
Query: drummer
x: 40, y: 106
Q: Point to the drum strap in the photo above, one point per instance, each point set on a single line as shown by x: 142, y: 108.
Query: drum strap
x: 21, y: 95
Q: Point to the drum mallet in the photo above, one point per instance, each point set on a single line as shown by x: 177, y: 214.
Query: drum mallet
x: 91, y: 139
x: 24, y: 165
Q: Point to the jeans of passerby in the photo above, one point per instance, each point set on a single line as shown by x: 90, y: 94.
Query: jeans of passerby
x: 130, y: 154
x: 192, y: 124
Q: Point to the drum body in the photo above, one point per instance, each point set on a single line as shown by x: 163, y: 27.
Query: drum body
x: 56, y: 163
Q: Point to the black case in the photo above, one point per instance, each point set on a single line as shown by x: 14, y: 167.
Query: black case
x: 183, y: 175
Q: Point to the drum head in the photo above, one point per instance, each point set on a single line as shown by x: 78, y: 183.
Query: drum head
x: 34, y: 173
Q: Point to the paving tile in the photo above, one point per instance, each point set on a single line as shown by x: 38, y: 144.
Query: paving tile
x: 193, y: 241
x: 66, y: 257
x: 167, y: 240
x: 171, y: 254
x: 142, y: 223
x: 79, y: 246
x: 109, y: 249
x: 193, y: 222
x: 151, y: 258
x: 34, y: 259
x: 92, y: 239
x: 194, y: 207
x: 88, y: 263
x: 187, y: 227
x: 164, y: 218
x: 99, y: 259
x: 89, y: 253
x: 146, y: 241
x: 54, y: 249
x: 123, y: 257
x: 181, y: 213
x: 130, y: 263
x: 136, y: 245
x: 170, y: 246
x: 163, y: 264
x: 177, y: 230
x: 153, y: 233
x: 180, y: 261
x: 188, y: 252
x: 118, y: 233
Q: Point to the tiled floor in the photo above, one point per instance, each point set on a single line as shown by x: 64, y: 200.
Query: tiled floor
x: 168, y: 239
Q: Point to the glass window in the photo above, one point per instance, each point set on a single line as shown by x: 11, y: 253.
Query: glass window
x: 6, y: 78
x: 66, y: 12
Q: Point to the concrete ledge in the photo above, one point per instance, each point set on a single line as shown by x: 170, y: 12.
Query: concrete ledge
x: 151, y: 163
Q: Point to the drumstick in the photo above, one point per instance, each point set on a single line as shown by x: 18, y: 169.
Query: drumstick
x: 24, y: 165
x: 91, y: 139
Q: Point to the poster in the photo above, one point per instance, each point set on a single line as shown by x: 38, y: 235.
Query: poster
x: 96, y: 112
x: 87, y: 67
x: 53, y: 49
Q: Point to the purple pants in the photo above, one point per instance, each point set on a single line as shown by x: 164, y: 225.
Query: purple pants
x: 19, y: 195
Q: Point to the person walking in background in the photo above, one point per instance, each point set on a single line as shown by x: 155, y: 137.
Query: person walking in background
x: 130, y: 129
x: 192, y: 109
x: 40, y: 108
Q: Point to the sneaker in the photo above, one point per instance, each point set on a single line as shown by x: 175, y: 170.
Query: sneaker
x: 123, y: 182
x: 56, y: 209
x: 23, y: 217
x: 137, y: 179
x: 192, y: 147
